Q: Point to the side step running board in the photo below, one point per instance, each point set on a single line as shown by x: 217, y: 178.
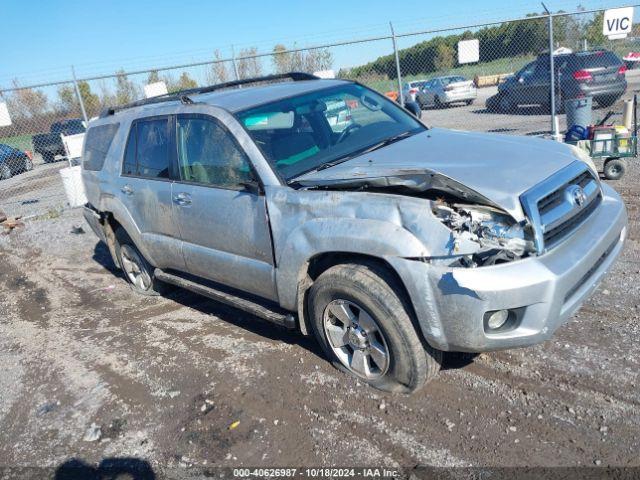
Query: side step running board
x: 282, y: 318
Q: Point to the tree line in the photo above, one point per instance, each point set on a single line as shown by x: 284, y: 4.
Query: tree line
x: 506, y: 40
x: 28, y: 103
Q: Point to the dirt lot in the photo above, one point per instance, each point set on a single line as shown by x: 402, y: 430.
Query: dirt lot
x: 165, y: 379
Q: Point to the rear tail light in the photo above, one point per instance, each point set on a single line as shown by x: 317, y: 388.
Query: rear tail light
x: 29, y: 154
x: 622, y: 70
x: 582, y: 76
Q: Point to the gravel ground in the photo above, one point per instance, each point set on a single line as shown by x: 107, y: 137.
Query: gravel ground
x: 91, y: 371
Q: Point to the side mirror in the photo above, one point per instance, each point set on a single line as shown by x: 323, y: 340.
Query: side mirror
x: 252, y: 185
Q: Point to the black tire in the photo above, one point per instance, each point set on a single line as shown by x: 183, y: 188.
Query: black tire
x: 607, y: 101
x: 125, y: 249
x: 437, y: 103
x: 5, y: 172
x: 469, y: 102
x: 614, y: 169
x: 48, y: 157
x: 411, y: 362
x: 505, y: 105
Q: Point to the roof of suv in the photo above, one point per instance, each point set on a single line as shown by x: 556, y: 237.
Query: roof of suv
x: 237, y: 99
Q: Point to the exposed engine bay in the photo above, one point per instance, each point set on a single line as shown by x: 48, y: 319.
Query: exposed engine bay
x: 497, y: 237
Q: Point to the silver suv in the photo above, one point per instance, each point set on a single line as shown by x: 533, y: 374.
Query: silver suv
x: 388, y: 241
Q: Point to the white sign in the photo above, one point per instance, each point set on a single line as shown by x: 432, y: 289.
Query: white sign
x: 617, y: 22
x: 469, y: 51
x: 5, y: 118
x: 325, y: 74
x: 155, y: 89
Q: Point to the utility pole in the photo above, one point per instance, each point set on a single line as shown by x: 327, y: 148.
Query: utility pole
x: 398, y: 74
x: 80, y: 101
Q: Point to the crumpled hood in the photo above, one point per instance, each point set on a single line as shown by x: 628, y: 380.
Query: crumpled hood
x: 498, y: 167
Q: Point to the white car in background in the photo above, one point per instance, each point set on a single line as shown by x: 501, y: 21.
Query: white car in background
x: 410, y: 89
x: 443, y: 91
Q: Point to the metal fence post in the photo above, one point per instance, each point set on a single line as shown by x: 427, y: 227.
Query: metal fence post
x: 233, y: 62
x: 80, y: 101
x: 552, y: 73
x: 395, y: 52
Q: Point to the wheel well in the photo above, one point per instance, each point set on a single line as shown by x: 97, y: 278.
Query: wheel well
x: 324, y: 261
x: 110, y: 225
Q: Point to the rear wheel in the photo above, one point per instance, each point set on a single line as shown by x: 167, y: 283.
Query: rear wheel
x: 364, y: 325
x: 48, y: 157
x: 137, y: 270
x: 5, y: 172
x: 28, y: 164
x: 505, y: 105
x: 437, y: 103
x: 614, y: 169
x: 607, y: 101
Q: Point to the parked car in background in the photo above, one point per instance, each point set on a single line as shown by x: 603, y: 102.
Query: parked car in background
x: 13, y: 161
x: 49, y: 145
x: 443, y: 91
x: 410, y: 89
x: 388, y: 241
x: 596, y: 73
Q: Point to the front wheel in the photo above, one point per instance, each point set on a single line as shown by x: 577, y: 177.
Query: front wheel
x: 5, y: 172
x: 364, y: 325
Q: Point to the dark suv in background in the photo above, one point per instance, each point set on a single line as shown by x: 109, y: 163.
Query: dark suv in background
x: 596, y: 73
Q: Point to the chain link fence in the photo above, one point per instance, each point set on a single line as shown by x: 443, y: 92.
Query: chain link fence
x: 494, y: 77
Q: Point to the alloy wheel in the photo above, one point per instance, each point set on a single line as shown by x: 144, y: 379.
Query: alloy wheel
x: 133, y: 266
x: 356, y: 339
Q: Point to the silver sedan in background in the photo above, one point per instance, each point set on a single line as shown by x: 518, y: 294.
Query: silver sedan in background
x: 443, y: 91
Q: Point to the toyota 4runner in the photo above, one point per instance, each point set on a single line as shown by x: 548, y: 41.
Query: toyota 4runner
x: 389, y: 241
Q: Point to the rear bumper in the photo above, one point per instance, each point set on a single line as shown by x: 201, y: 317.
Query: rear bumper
x: 463, y: 96
x: 608, y: 90
x: 543, y: 291
x: 93, y: 219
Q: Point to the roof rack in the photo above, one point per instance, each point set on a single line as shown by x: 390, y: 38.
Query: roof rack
x: 182, y: 95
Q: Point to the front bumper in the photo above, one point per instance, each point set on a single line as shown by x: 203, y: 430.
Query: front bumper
x: 450, y: 303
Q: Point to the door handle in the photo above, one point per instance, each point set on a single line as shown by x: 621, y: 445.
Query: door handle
x: 182, y: 199
x: 127, y: 190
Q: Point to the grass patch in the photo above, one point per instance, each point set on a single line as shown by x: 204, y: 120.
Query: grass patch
x: 502, y: 65
x: 21, y: 142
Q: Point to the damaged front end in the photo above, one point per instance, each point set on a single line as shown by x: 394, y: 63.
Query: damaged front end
x: 483, y: 235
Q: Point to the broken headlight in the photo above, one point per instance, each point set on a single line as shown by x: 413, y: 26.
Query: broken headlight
x: 483, y: 235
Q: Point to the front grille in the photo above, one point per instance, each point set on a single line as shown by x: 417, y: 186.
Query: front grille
x: 561, y: 204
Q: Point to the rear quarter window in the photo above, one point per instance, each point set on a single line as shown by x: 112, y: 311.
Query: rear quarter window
x: 97, y: 144
x: 598, y: 60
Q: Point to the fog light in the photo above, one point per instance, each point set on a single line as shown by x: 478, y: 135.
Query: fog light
x: 497, y: 319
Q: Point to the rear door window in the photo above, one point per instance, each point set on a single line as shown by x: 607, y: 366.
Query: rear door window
x: 209, y: 155
x: 97, y: 144
x: 148, y: 149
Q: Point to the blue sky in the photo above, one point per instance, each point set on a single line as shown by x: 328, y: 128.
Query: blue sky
x: 39, y: 40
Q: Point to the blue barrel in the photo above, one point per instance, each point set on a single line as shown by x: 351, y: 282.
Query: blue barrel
x: 578, y: 112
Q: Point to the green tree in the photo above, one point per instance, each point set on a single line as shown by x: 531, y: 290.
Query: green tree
x: 184, y: 82
x: 593, y: 32
x: 68, y: 99
x: 153, y: 77
x: 126, y: 90
x: 444, y: 57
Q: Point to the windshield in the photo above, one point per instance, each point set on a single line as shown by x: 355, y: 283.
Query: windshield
x: 325, y: 127
x: 448, y: 80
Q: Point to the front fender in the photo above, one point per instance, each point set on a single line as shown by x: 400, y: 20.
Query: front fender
x: 359, y: 236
